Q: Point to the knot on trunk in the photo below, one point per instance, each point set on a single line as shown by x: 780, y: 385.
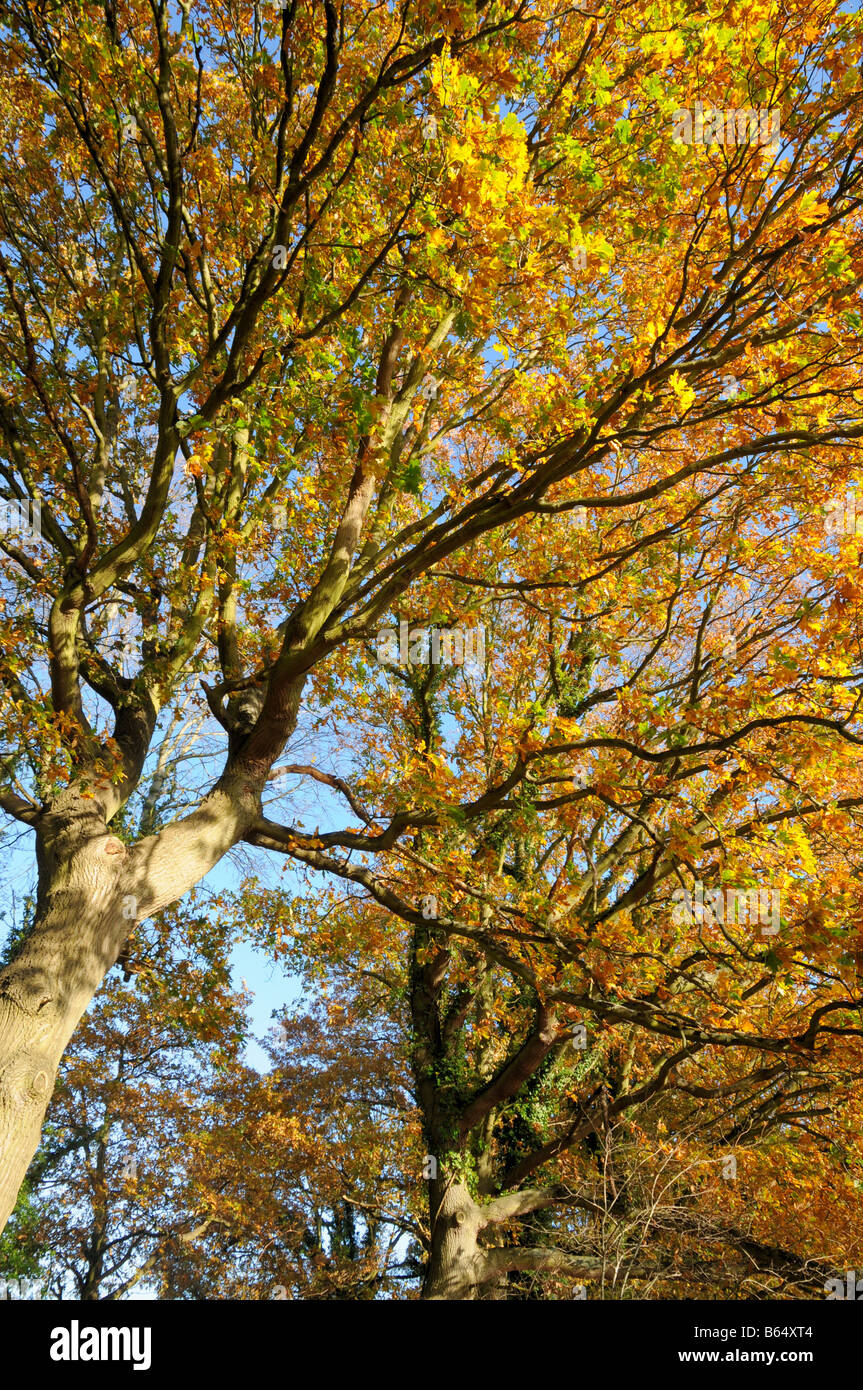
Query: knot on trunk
x: 456, y: 1262
x: 92, y: 868
x: 27, y: 1080
x: 28, y: 987
x: 39, y: 1084
x: 75, y: 849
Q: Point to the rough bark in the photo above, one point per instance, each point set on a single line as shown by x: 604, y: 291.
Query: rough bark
x: 455, y: 1263
x: 92, y: 891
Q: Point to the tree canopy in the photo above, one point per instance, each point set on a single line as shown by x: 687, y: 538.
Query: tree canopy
x: 452, y: 410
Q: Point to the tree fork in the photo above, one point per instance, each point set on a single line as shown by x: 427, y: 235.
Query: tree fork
x: 93, y: 889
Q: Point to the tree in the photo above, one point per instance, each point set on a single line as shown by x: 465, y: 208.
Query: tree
x: 616, y: 1090
x: 309, y: 1186
x: 169, y: 1164
x: 306, y: 309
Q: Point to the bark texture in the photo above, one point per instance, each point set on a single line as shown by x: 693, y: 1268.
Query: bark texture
x: 456, y: 1263
x: 92, y: 891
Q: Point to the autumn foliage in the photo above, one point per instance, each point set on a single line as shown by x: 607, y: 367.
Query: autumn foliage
x: 325, y: 332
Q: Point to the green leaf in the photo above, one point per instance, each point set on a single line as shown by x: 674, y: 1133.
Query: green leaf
x: 511, y: 125
x: 411, y: 479
x: 623, y: 131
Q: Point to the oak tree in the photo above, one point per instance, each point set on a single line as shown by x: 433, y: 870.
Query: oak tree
x: 309, y: 315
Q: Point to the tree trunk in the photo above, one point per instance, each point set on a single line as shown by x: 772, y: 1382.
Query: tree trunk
x: 92, y: 891
x: 455, y: 1260
x: 76, y: 937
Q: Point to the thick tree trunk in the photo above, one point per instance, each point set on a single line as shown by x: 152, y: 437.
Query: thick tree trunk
x: 76, y: 937
x: 455, y: 1260
x: 92, y: 890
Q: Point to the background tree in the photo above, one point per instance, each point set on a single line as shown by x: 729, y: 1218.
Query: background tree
x: 568, y: 1012
x: 168, y: 1165
x: 113, y: 1186
x: 310, y: 1185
